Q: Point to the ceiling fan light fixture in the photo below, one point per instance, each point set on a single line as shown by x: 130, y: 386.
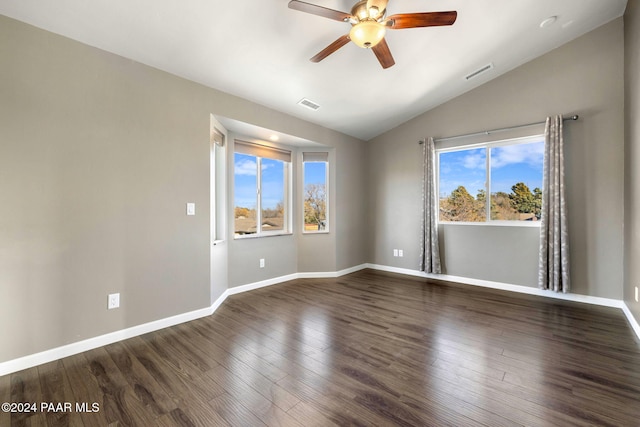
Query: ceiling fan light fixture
x: 367, y: 34
x: 369, y: 25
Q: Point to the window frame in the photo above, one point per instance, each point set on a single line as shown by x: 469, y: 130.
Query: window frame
x: 316, y: 154
x: 287, y: 190
x: 488, y: 145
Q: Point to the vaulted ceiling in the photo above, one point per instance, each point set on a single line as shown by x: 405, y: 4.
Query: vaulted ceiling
x: 260, y: 49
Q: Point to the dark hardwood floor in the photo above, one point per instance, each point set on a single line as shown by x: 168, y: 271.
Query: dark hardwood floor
x: 367, y: 349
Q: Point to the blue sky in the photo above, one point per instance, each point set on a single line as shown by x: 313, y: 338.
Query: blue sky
x: 315, y: 173
x: 245, y: 169
x: 509, y: 164
x: 245, y: 181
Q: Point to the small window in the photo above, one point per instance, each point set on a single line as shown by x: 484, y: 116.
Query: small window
x: 218, y: 184
x: 316, y: 196
x: 509, y: 171
x: 262, y: 187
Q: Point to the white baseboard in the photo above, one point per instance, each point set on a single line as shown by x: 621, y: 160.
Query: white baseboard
x: 46, y: 356
x: 102, y: 340
x: 331, y: 274
x: 632, y: 320
x: 607, y: 302
x: 261, y: 284
x: 293, y: 276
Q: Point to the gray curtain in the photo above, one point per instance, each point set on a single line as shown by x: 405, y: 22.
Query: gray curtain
x: 554, y: 238
x: 429, y: 249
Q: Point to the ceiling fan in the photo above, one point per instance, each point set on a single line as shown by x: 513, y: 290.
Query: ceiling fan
x: 369, y: 24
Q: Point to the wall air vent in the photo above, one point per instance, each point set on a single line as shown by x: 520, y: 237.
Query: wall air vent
x: 309, y: 104
x: 479, y: 71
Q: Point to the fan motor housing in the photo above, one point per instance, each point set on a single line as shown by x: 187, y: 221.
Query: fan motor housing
x: 360, y: 11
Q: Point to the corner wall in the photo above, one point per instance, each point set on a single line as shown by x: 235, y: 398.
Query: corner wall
x: 584, y: 77
x: 632, y: 156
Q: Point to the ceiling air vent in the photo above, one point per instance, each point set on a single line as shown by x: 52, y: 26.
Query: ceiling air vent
x: 309, y: 104
x: 479, y: 71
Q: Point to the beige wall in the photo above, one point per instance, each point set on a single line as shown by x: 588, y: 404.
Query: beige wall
x: 632, y: 156
x: 585, y: 77
x: 98, y: 157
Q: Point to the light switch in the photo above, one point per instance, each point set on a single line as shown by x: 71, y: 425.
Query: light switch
x: 191, y: 208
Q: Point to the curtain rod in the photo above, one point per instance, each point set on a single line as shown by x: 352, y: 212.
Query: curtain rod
x: 489, y: 132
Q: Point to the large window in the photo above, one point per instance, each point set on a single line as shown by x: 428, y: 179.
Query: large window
x: 315, y: 198
x: 496, y: 181
x: 262, y: 187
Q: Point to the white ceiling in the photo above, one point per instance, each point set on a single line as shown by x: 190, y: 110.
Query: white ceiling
x: 259, y: 49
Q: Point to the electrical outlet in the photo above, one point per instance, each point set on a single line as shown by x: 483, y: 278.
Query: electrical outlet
x: 261, y: 262
x: 395, y: 252
x: 113, y: 301
x: 400, y: 252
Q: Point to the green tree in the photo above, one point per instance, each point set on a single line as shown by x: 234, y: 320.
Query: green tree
x: 462, y: 206
x: 460, y: 195
x: 522, y: 198
x: 537, y: 201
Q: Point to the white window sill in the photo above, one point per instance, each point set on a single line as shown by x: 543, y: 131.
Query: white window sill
x: 258, y: 236
x: 535, y: 224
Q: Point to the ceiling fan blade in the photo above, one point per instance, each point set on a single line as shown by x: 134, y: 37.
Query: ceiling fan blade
x: 331, y: 48
x: 383, y: 54
x: 319, y: 10
x: 425, y: 19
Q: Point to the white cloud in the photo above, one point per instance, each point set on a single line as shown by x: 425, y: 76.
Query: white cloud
x: 531, y: 154
x: 475, y: 160
x: 245, y: 167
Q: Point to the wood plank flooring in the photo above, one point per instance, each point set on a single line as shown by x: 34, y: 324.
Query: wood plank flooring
x: 367, y: 349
